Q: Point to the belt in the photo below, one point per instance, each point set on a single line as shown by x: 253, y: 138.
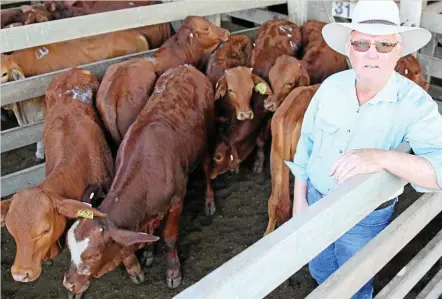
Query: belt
x: 386, y: 204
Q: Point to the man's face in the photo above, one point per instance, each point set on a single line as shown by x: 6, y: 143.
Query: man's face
x: 372, y: 65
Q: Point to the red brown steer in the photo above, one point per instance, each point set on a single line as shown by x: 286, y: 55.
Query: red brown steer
x: 286, y: 129
x: 77, y: 156
x: 166, y: 142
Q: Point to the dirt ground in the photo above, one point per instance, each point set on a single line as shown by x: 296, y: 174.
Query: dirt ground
x: 205, y: 242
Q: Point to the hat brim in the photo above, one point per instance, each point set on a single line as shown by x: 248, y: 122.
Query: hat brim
x: 413, y: 38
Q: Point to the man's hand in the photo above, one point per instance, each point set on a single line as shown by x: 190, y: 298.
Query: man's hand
x: 356, y: 162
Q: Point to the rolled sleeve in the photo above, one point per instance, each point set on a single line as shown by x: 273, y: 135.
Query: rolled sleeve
x: 425, y: 137
x: 305, y: 143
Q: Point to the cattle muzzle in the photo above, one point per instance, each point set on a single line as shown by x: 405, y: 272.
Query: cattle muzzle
x: 24, y: 275
x: 271, y: 103
x: 243, y: 115
x: 75, y: 284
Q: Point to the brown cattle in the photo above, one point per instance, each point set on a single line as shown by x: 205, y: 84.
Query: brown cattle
x: 166, y: 142
x: 242, y: 138
x: 44, y: 59
x: 409, y: 67
x: 234, y: 91
x: 273, y: 39
x: 126, y: 86
x: 24, y: 16
x: 196, y: 37
x: 287, y: 74
x: 318, y: 58
x: 77, y: 156
x: 123, y: 92
x: 286, y: 129
x: 234, y: 52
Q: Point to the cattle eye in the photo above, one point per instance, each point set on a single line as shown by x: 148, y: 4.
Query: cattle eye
x: 230, y: 90
x: 5, y: 74
x: 45, y: 232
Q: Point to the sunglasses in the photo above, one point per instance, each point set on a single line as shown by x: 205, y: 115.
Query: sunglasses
x: 364, y: 46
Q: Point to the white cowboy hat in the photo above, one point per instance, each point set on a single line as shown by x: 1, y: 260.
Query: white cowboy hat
x: 375, y: 18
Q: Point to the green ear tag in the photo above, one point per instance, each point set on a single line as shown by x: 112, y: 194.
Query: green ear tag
x: 85, y: 214
x: 261, y: 88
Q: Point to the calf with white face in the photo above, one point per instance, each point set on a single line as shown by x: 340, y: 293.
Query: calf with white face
x: 97, y: 246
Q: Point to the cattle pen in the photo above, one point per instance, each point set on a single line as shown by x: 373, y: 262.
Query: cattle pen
x: 270, y: 261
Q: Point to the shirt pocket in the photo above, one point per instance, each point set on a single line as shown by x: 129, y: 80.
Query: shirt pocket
x: 325, y: 138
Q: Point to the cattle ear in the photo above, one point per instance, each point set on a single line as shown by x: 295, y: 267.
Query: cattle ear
x: 221, y: 87
x: 304, y: 80
x: 261, y: 85
x: 93, y: 194
x: 72, y: 208
x: 127, y: 237
x: 4, y: 204
x: 17, y: 74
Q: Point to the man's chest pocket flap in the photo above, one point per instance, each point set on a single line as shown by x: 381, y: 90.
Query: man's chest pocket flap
x: 325, y: 137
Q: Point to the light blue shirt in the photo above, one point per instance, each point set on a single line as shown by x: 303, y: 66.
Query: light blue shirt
x: 335, y: 123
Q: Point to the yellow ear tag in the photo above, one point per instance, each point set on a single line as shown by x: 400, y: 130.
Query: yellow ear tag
x: 85, y: 214
x: 261, y: 88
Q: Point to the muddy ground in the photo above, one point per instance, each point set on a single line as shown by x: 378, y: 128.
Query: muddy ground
x: 205, y: 242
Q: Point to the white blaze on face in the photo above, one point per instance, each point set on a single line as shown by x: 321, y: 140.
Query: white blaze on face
x: 76, y: 247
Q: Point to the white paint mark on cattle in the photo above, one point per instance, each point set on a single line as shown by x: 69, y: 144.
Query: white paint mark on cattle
x: 76, y: 247
x: 191, y: 34
x: 285, y: 28
x: 289, y: 35
x: 406, y: 71
x: 231, y: 157
x: 293, y: 45
x: 43, y: 51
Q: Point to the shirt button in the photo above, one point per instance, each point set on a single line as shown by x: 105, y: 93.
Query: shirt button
x: 348, y: 131
x: 340, y: 151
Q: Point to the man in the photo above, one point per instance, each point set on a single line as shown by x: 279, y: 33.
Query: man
x: 357, y: 116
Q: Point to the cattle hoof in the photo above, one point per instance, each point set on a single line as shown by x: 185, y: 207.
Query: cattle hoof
x: 138, y: 279
x: 210, y: 209
x: 173, y: 282
x: 74, y: 296
x: 147, y: 258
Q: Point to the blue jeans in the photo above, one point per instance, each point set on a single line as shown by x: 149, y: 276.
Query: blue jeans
x: 335, y: 255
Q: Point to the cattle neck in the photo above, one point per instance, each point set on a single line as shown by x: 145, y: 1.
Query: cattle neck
x: 183, y: 48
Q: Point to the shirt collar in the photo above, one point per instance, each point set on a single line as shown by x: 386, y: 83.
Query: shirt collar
x: 387, y: 94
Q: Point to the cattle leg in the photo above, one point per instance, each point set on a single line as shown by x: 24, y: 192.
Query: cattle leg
x: 170, y: 235
x: 147, y: 257
x: 258, y: 166
x: 134, y: 269
x: 279, y: 202
x: 210, y: 207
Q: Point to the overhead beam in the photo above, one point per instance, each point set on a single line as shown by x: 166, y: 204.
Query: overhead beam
x: 66, y: 29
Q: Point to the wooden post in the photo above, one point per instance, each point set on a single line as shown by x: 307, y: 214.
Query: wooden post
x: 215, y: 19
x: 297, y: 11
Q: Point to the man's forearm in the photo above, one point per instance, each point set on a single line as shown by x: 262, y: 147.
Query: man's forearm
x: 414, y: 169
